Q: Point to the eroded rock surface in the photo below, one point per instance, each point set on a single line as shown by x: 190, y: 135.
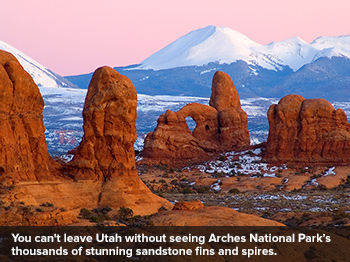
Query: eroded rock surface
x: 209, y: 216
x: 106, y: 152
x: 23, y: 150
x: 107, y: 147
x: 222, y: 126
x: 307, y: 130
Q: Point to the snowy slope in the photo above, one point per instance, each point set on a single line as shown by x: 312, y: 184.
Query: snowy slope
x: 42, y: 76
x: 209, y: 44
x: 224, y: 45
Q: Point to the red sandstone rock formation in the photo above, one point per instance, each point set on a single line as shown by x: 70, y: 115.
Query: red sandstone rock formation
x: 106, y: 152
x: 107, y: 148
x: 308, y: 130
x: 23, y: 151
x: 222, y: 126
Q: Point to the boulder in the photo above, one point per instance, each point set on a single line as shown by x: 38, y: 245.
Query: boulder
x: 307, y: 130
x: 220, y: 127
x: 23, y: 150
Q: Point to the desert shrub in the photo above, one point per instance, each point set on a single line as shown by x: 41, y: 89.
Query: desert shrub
x: 162, y: 208
x: 125, y: 213
x: 302, y: 170
x: 222, y: 158
x: 39, y: 209
x: 85, y: 213
x: 234, y: 191
x: 163, y: 167
x: 321, y: 187
x: 162, y: 181
x: 96, y: 219
x: 139, y: 221
x: 174, y: 182
x: 159, y: 192
x: 218, y: 174
x: 186, y: 190
x: 102, y: 210
x: 339, y: 214
x: 310, y: 254
x: 25, y: 209
x: 97, y: 215
x: 47, y: 204
x: 203, y: 189
x: 266, y: 214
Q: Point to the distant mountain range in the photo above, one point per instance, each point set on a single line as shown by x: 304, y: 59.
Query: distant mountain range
x: 186, y: 66
x: 225, y: 46
x: 42, y: 76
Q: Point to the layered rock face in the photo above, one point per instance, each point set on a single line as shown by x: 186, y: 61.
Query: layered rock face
x: 106, y: 152
x: 307, y: 130
x: 222, y: 126
x: 23, y: 151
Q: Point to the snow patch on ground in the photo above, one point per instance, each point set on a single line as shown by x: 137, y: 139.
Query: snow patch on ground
x: 240, y: 163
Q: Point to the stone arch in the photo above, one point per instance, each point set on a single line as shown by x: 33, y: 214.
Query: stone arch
x: 206, y: 119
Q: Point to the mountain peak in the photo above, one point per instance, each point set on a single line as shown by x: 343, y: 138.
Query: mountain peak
x: 42, y: 76
x: 202, y: 46
x: 225, y: 45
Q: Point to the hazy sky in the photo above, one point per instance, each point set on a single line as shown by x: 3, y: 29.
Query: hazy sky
x: 77, y: 36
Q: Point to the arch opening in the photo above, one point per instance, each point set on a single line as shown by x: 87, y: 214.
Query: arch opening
x: 191, y: 124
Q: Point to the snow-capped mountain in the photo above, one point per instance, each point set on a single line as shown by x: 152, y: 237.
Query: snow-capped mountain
x: 42, y: 76
x: 224, y: 45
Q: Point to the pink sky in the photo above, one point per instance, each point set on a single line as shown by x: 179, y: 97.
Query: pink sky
x: 77, y: 36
